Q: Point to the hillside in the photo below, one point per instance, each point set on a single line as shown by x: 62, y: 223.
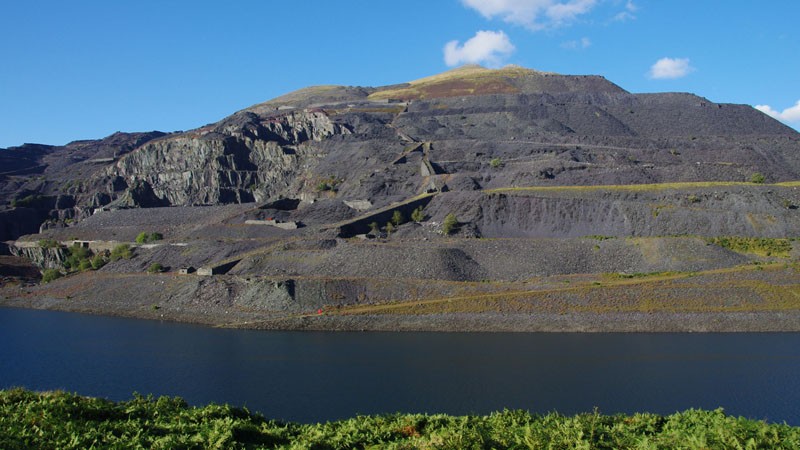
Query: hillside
x: 554, y: 181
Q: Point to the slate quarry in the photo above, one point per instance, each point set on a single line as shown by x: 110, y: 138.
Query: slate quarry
x: 579, y: 206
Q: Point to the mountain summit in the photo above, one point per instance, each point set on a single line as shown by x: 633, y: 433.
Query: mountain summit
x: 466, y: 80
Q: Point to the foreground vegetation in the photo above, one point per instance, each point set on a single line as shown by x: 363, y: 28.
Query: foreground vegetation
x: 66, y: 421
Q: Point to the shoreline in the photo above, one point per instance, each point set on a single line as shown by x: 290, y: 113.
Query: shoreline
x: 571, y: 322
x: 743, y: 299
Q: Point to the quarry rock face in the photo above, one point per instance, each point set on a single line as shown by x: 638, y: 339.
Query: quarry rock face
x: 465, y: 130
x: 43, y: 258
x: 511, y: 192
x: 243, y: 159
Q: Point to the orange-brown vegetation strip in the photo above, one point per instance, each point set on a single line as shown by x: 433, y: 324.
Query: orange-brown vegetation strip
x: 378, y: 110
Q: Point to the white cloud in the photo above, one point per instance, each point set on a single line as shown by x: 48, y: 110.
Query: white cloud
x: 670, y: 68
x: 534, y: 14
x: 487, y: 47
x: 627, y: 13
x: 560, y: 13
x: 789, y: 115
x: 624, y: 16
x: 577, y: 44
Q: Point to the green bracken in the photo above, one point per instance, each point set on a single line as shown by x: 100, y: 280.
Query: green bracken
x: 757, y: 246
x: 67, y: 421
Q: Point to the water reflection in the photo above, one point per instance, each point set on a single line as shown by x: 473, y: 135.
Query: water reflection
x: 313, y: 376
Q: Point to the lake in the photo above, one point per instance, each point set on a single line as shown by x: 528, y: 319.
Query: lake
x: 320, y: 376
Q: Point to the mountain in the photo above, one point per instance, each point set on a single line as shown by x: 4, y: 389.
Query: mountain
x: 564, y: 173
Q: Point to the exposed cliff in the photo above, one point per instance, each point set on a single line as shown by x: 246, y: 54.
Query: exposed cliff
x: 243, y: 159
x: 43, y: 258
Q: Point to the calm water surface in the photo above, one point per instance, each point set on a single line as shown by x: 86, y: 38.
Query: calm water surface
x: 319, y: 376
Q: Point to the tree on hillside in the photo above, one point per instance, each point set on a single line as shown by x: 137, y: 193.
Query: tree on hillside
x: 417, y: 215
x: 374, y: 228
x: 398, y: 218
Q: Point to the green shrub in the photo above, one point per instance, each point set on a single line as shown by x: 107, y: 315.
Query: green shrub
x: 389, y: 227
x: 121, y: 251
x: 155, y: 268
x: 78, y: 258
x: 398, y: 218
x: 496, y: 163
x: 145, y: 237
x: 330, y: 183
x: 50, y: 274
x: 25, y: 201
x: 79, y: 251
x: 450, y: 224
x: 48, y: 243
x: 71, y: 263
x: 98, y: 261
x: 757, y: 178
x: 417, y: 215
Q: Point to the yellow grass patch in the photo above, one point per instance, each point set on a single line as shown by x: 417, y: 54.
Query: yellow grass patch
x: 635, y: 187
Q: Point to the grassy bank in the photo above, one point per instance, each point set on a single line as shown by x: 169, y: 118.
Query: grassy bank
x: 66, y: 421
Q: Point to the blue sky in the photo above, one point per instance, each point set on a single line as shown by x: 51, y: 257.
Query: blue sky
x: 85, y: 69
